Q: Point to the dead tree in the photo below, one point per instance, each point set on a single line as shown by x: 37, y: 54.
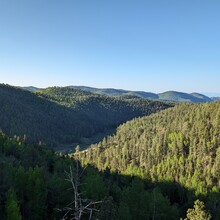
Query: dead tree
x: 75, y: 209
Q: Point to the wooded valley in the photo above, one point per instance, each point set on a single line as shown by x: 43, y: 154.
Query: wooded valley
x: 164, y: 165
x: 62, y: 116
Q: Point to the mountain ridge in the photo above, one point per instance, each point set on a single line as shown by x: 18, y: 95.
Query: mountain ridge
x: 174, y: 96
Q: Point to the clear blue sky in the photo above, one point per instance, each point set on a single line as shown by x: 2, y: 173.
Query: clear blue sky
x: 150, y: 45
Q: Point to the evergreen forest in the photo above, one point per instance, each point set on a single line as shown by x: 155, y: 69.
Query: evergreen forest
x: 176, y: 149
x: 61, y: 117
x: 163, y: 164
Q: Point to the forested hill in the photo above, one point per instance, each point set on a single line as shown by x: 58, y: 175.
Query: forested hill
x: 178, y: 145
x: 184, y: 97
x: 24, y: 113
x: 172, y: 96
x: 155, y: 167
x: 169, y: 95
x: 35, y: 184
x: 109, y: 111
x: 60, y: 116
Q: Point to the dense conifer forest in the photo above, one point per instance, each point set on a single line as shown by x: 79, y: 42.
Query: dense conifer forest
x: 62, y: 116
x: 177, y: 146
x: 35, y: 184
x: 109, y: 110
x: 161, y: 166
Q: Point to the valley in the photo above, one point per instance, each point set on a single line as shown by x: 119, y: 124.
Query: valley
x: 138, y: 158
x: 109, y: 110
x: 63, y: 116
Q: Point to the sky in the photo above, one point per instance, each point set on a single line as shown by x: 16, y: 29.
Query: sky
x: 148, y: 45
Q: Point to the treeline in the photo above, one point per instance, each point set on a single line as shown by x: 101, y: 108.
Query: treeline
x: 180, y: 145
x: 62, y: 116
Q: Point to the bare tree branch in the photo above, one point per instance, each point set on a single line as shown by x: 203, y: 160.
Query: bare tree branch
x: 79, y: 205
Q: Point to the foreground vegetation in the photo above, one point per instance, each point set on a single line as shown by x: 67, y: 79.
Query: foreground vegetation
x: 33, y: 185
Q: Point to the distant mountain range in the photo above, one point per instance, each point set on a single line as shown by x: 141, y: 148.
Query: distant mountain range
x: 168, y: 95
x: 173, y: 96
x: 31, y: 88
x: 215, y: 98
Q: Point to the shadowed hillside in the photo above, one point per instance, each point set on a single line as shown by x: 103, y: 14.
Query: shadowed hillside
x: 34, y: 185
x: 62, y: 116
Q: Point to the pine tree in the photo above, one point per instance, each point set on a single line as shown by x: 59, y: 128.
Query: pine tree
x: 198, y: 212
x: 12, y: 206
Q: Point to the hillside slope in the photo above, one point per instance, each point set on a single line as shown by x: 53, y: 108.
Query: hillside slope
x: 23, y: 112
x: 184, y: 97
x: 103, y: 109
x: 117, y: 92
x: 60, y: 116
x: 34, y: 185
x: 178, y: 145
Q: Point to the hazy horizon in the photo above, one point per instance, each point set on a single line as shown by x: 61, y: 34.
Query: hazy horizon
x: 209, y: 94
